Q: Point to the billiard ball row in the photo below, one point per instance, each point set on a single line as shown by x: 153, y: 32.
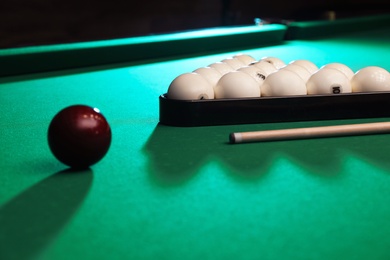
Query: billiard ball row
x: 242, y: 76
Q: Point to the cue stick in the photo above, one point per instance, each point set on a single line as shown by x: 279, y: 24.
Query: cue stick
x: 310, y: 132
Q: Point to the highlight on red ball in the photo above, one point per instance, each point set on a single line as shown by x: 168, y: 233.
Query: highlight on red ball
x: 79, y: 136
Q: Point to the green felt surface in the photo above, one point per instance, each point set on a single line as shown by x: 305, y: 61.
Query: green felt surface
x: 184, y: 193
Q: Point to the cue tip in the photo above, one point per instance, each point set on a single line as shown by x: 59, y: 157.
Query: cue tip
x: 235, y: 138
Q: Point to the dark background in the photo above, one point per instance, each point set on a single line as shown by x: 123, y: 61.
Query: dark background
x: 37, y: 22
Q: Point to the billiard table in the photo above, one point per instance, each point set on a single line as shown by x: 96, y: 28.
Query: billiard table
x: 184, y: 192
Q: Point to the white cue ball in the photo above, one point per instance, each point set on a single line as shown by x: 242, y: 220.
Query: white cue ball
x: 283, y: 83
x: 210, y: 74
x: 245, y: 58
x: 258, y: 74
x: 341, y: 67
x: 268, y: 68
x: 190, y: 86
x: 372, y: 78
x: 234, y: 63
x: 278, y: 63
x: 301, y: 71
x: 310, y: 66
x: 221, y: 67
x: 328, y: 81
x: 237, y: 84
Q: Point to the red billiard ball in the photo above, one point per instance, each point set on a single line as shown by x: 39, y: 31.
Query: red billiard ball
x: 79, y: 136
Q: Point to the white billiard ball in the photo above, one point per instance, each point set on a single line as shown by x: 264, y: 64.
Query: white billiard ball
x: 278, y: 63
x: 301, y: 71
x: 372, y: 78
x: 222, y: 67
x: 310, y: 66
x: 328, y: 81
x: 237, y: 84
x: 210, y: 74
x: 245, y: 58
x: 258, y: 74
x: 268, y: 68
x: 234, y: 63
x: 283, y: 83
x: 190, y: 86
x: 341, y: 67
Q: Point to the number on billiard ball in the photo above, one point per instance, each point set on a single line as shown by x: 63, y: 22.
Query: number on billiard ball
x: 79, y: 136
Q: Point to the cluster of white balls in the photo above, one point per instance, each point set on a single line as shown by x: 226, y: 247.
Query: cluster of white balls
x: 242, y: 76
